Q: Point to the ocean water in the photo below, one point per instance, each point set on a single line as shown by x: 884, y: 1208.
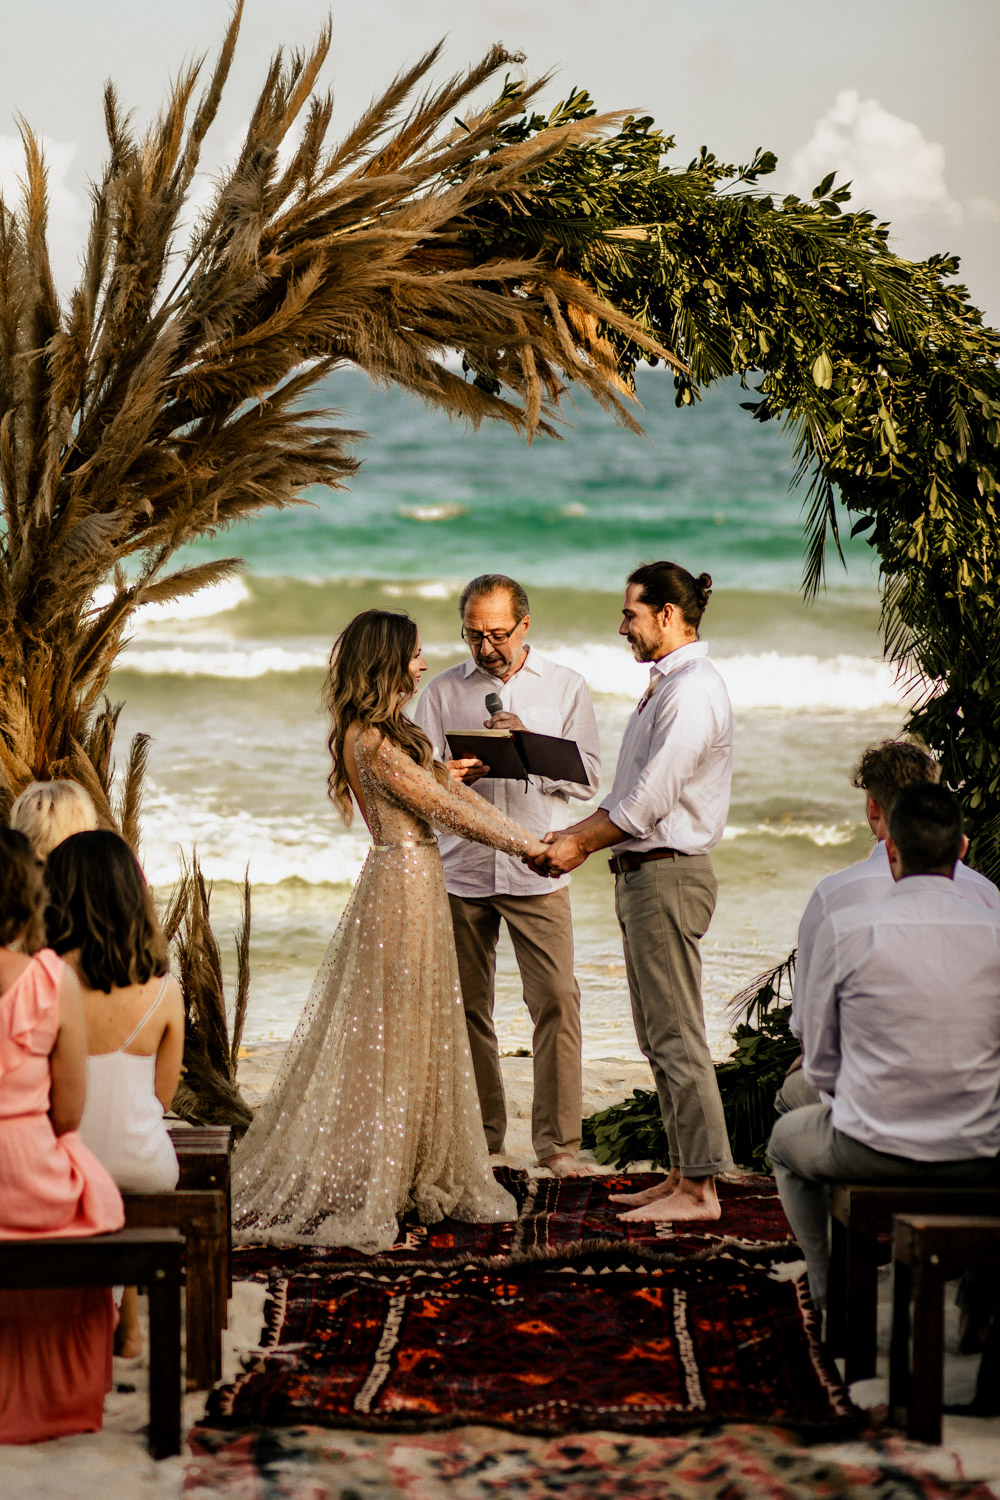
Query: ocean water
x: 228, y: 683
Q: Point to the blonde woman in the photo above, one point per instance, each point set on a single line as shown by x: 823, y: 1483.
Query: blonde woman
x: 47, y: 812
x: 374, y: 1112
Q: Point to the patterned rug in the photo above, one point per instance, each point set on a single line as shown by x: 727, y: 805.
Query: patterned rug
x: 619, y: 1339
x: 555, y: 1215
x: 735, y: 1462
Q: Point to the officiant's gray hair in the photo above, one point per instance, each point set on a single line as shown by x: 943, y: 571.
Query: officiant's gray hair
x: 494, y: 583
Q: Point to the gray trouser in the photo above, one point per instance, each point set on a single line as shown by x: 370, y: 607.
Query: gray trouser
x: 541, y: 932
x: 795, y: 1093
x: 664, y: 908
x: 808, y: 1152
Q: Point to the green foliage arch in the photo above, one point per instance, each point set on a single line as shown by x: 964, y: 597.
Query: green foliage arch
x: 880, y: 368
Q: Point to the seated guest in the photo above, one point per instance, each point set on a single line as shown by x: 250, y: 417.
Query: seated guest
x: 901, y: 1027
x: 55, y: 1346
x: 883, y: 772
x: 49, y: 811
x: 101, y: 917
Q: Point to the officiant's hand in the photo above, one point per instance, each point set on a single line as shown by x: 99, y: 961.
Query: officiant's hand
x: 468, y: 770
x: 503, y: 720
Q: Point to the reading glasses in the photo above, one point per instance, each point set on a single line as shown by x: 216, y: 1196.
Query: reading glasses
x: 495, y: 637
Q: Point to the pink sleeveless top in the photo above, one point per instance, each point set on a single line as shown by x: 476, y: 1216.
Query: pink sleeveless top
x: 49, y: 1185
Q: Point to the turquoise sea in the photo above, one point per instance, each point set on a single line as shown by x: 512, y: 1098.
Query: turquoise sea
x: 228, y: 682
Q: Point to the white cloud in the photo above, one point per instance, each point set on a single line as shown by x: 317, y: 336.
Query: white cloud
x: 894, y: 170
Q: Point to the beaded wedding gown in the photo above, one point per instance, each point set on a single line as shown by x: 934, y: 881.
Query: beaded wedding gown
x: 374, y: 1111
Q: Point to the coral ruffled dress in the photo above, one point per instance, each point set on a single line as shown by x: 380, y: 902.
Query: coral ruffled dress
x: 55, y: 1346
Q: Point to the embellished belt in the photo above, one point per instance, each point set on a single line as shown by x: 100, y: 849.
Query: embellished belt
x: 404, y: 844
x: 622, y: 864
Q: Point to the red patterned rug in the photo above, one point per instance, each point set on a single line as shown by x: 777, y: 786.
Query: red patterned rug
x: 631, y: 1342
x: 557, y: 1214
x: 734, y: 1462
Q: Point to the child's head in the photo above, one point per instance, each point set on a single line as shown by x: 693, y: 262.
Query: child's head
x: 99, y: 903
x: 20, y: 891
x: 50, y: 811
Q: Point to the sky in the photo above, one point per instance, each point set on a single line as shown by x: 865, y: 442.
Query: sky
x: 898, y: 96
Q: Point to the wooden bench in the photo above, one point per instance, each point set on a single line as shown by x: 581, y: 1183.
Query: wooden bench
x: 928, y: 1250
x: 861, y: 1214
x: 204, y: 1153
x: 200, y: 1218
x: 149, y: 1258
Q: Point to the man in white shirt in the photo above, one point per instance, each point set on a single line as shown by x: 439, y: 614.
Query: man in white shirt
x: 486, y: 887
x: 884, y: 770
x: 666, y: 812
x: 901, y: 1028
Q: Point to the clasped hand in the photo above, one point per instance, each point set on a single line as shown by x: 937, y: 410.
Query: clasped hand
x: 562, y: 854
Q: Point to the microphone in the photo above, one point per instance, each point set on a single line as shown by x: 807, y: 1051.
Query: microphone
x: 493, y: 704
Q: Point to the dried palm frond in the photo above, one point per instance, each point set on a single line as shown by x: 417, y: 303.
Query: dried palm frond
x: 207, y: 1093
x: 169, y: 397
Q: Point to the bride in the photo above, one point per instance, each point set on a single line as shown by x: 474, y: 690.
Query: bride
x: 374, y: 1111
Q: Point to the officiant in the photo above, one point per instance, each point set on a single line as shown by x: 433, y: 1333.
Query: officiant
x: 525, y: 691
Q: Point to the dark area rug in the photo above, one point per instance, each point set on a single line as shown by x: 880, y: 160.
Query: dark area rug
x: 622, y: 1339
x: 727, y: 1463
x: 555, y: 1215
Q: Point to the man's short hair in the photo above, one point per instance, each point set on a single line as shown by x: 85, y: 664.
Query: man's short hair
x: 885, y: 769
x: 494, y: 583
x: 927, y: 827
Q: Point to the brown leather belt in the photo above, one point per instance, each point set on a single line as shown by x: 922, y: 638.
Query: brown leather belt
x: 621, y: 864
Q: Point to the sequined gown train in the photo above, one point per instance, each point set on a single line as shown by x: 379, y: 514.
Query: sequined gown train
x: 374, y: 1111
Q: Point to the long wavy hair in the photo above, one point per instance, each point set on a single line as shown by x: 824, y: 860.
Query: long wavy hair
x: 367, y: 683
x: 99, y: 902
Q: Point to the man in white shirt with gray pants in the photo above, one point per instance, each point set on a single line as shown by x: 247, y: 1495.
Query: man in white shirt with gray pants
x: 527, y: 691
x: 666, y: 813
x: 901, y: 1029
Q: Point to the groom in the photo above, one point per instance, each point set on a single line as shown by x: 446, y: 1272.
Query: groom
x: 666, y: 811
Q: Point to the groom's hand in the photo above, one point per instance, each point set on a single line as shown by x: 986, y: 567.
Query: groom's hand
x: 563, y: 854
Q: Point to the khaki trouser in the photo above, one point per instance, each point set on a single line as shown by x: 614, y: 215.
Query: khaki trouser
x: 663, y: 908
x: 542, y: 934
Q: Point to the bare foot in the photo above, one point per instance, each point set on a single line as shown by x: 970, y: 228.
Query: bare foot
x: 662, y: 1189
x: 694, y: 1201
x: 565, y: 1165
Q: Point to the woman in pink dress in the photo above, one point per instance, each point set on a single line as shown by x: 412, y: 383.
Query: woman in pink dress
x: 55, y: 1346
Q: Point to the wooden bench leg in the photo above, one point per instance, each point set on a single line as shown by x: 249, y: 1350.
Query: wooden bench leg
x: 861, y: 1350
x: 924, y: 1424
x: 203, y: 1317
x: 900, y: 1391
x: 164, y: 1367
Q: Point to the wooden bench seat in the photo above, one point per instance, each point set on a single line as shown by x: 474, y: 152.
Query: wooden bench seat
x: 149, y: 1258
x: 862, y: 1214
x: 204, y: 1153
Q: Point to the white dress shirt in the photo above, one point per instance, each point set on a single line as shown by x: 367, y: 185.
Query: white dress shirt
x: 901, y: 1022
x: 547, y: 698
x: 859, y: 884
x: 675, y: 766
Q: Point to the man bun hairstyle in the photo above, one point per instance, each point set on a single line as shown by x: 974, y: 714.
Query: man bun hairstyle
x: 885, y: 769
x: 494, y: 583
x: 927, y: 827
x: 668, y: 583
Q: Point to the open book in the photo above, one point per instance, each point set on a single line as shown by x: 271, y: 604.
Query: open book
x: 518, y: 753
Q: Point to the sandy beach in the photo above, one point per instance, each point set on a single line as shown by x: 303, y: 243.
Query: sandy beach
x: 115, y: 1462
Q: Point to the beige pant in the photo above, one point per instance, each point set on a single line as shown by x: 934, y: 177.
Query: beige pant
x: 663, y: 908
x: 542, y: 934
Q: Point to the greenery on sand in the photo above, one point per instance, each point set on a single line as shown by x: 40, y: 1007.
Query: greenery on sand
x: 167, y: 397
x: 748, y: 1081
